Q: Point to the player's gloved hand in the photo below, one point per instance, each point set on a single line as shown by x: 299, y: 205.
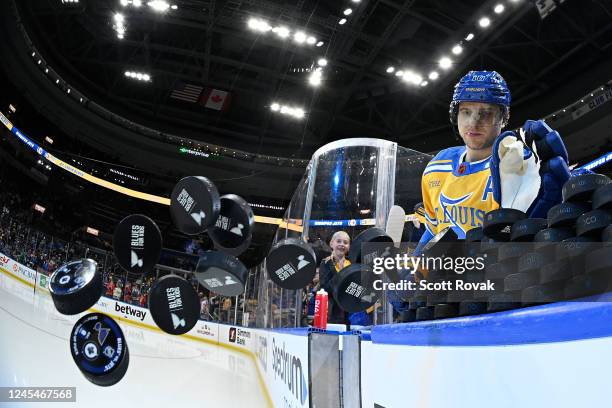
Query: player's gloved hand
x: 529, y: 169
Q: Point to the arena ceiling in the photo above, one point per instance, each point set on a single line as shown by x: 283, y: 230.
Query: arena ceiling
x: 236, y: 46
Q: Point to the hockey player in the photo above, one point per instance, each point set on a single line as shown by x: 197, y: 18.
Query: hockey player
x: 492, y: 169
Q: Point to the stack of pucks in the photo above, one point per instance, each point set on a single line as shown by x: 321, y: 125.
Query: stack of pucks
x: 76, y: 286
x: 233, y: 228
x: 174, y: 304
x: 137, y: 244
x: 99, y: 349
x: 469, y: 301
x: 291, y: 263
x: 353, y: 289
x: 497, y: 224
x: 443, y: 245
x: 221, y: 273
x: 194, y: 205
x: 602, y: 200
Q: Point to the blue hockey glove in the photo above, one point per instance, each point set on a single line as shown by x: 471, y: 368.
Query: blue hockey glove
x: 529, y: 169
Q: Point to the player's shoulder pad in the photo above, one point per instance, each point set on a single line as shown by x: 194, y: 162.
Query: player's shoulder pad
x: 443, y: 161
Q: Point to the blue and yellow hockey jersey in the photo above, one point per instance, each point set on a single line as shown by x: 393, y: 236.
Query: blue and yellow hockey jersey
x: 456, y: 193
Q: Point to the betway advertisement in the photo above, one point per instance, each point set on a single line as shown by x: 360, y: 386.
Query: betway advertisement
x: 286, y: 368
x: 17, y: 269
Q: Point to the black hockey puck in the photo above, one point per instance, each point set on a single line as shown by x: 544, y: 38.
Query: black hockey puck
x: 602, y: 198
x: 352, y: 287
x: 606, y: 235
x: 566, y: 214
x: 581, y: 188
x: 593, y: 223
x: 194, y: 205
x: 544, y: 293
x: 549, y: 236
x: 587, y: 285
x: 499, y: 270
x: 520, y: 281
x: 407, y: 316
x: 512, y: 250
x: 233, y: 228
x: 556, y: 271
x: 490, y: 247
x: 474, y: 235
x: 361, y: 252
x: 532, y: 262
x: 504, y: 301
x: 291, y: 263
x: 574, y: 247
x: 446, y: 310
x: 444, y: 243
x: 525, y: 230
x: 98, y: 348
x: 497, y: 223
x: 76, y: 286
x: 599, y: 261
x: 425, y: 313
x: 221, y: 273
x: 472, y: 307
x: 174, y: 304
x: 137, y: 243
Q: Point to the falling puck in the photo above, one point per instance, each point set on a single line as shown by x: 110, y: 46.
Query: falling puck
x: 76, y: 286
x: 525, y: 230
x: 137, y: 243
x: 353, y: 290
x: 593, y: 223
x: 174, y: 304
x: 194, y: 205
x: 291, y: 263
x: 361, y: 252
x: 98, y: 348
x: 564, y: 215
x: 602, y: 198
x: 221, y: 273
x: 581, y: 188
x: 233, y: 229
x: 497, y: 223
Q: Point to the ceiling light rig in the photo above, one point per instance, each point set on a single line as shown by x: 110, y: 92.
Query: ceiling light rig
x: 298, y: 36
x: 445, y: 62
x: 295, y: 112
x: 159, y: 6
x: 119, y: 25
x: 139, y: 76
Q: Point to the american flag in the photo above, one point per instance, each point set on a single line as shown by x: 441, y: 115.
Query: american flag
x: 186, y: 92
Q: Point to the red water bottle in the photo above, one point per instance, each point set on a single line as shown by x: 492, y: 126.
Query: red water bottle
x: 320, y: 313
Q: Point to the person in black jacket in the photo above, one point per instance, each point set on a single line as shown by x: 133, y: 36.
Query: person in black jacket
x: 330, y: 266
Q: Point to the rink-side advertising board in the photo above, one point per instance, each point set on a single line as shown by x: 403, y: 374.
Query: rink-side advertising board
x: 237, y: 336
x: 283, y: 361
x: 17, y: 269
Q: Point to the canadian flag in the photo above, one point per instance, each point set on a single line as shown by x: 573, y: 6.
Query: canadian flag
x: 216, y: 99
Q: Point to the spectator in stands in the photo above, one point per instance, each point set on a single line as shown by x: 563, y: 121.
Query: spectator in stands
x: 142, y: 301
x: 227, y: 308
x: 117, y: 292
x: 203, y: 306
x: 329, y: 267
x: 110, y: 287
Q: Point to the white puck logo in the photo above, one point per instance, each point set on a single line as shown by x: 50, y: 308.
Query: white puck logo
x: 237, y: 230
x: 135, y: 260
x: 302, y: 262
x: 198, y: 217
x: 177, y: 321
x: 91, y: 351
x: 185, y: 200
x: 109, y: 351
x: 229, y: 281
